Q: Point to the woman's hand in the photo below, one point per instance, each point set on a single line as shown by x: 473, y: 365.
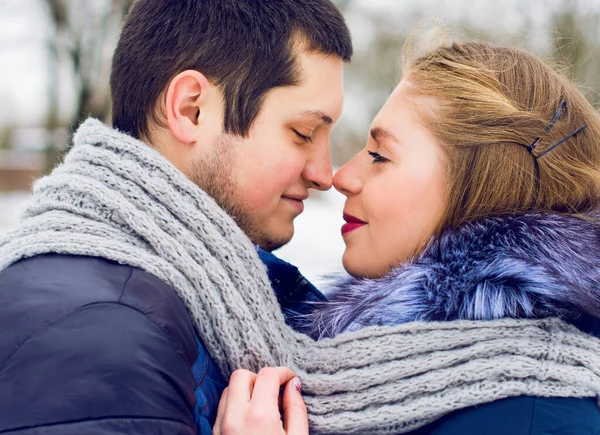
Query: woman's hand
x: 251, y: 404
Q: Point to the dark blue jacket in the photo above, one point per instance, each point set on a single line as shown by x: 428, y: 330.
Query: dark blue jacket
x: 521, y: 416
x: 89, y: 346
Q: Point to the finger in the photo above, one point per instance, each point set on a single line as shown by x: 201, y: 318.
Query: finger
x: 295, y: 416
x: 268, y: 381
x: 221, y: 412
x: 241, y: 384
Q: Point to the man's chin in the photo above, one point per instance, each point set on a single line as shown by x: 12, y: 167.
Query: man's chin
x: 272, y: 242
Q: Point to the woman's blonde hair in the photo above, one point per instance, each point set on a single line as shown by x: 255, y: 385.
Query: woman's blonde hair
x: 491, y: 104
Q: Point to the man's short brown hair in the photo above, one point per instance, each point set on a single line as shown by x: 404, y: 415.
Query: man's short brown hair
x: 245, y: 47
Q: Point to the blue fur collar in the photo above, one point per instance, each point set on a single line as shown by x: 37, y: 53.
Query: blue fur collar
x: 521, y: 266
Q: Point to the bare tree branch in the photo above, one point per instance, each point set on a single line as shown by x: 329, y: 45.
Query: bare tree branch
x: 81, y: 32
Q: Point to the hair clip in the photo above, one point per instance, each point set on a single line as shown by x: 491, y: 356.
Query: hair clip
x: 543, y: 153
x: 555, y: 118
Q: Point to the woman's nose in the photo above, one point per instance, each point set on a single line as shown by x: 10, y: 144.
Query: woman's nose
x: 347, y: 180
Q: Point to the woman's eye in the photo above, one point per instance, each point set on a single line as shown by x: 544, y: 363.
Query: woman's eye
x: 303, y: 137
x: 377, y: 158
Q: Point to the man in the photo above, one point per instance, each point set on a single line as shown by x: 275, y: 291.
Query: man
x: 240, y: 96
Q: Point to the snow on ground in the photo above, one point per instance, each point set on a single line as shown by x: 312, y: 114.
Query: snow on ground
x: 316, y: 248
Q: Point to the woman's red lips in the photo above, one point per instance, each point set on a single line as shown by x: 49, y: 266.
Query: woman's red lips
x: 352, y: 223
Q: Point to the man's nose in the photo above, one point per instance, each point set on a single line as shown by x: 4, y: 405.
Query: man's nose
x: 318, y: 171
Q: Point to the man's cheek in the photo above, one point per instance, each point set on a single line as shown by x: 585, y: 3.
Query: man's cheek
x: 260, y: 198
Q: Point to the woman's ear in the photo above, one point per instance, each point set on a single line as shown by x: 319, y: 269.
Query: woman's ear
x: 184, y: 101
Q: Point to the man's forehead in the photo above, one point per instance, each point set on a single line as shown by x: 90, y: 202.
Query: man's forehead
x: 318, y: 94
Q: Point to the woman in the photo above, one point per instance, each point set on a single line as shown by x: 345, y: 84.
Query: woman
x: 474, y: 199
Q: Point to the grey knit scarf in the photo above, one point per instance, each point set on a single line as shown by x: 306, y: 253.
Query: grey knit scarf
x: 116, y: 198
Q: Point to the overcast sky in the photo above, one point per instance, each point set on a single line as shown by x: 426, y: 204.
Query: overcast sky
x: 23, y: 30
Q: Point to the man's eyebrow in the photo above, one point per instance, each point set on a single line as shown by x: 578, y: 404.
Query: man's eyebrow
x: 379, y: 133
x: 319, y: 115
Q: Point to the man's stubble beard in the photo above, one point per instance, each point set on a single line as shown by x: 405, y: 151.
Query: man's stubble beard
x: 216, y: 176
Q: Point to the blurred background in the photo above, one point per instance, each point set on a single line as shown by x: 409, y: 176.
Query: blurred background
x: 55, y: 60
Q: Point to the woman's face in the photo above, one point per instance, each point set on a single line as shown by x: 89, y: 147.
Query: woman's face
x: 395, y: 189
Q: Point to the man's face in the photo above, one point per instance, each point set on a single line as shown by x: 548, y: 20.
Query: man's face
x: 263, y: 180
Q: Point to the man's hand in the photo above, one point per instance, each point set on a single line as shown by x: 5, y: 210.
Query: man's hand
x: 251, y: 404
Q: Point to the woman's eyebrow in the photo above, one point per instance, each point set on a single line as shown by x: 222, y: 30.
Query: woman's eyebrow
x: 378, y: 133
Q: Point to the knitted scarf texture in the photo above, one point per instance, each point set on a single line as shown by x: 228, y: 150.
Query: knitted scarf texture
x: 117, y: 198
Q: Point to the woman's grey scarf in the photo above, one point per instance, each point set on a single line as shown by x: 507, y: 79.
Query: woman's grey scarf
x: 116, y: 198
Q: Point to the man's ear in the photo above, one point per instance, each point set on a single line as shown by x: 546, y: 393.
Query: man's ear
x: 184, y: 100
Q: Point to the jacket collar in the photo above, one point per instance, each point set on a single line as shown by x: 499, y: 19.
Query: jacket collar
x: 294, y: 292
x: 519, y: 266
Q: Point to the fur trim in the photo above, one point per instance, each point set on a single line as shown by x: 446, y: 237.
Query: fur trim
x: 520, y: 266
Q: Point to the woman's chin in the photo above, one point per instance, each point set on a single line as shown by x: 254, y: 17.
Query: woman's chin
x: 358, y: 268
x: 349, y: 265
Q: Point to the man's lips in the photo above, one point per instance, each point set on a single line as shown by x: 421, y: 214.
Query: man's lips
x: 297, y: 201
x: 300, y: 198
x: 352, y: 223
